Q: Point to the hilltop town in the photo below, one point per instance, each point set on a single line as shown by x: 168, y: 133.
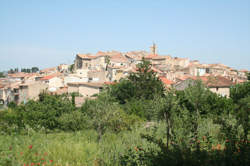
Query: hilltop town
x: 90, y: 72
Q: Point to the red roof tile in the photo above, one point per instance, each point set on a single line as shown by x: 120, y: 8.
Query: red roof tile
x: 156, y: 70
x: 118, y: 58
x: 48, y: 77
x: 86, y: 56
x: 166, y: 81
x: 49, y: 69
x: 215, y: 81
x: 109, y: 83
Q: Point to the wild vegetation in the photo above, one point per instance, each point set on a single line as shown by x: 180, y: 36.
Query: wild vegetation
x: 134, y: 122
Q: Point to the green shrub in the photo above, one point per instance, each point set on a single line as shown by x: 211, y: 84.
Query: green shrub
x: 72, y: 121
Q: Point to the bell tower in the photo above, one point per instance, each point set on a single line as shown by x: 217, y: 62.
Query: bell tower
x: 153, y: 49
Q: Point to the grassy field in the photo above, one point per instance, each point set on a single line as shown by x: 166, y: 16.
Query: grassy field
x: 82, y: 147
x: 78, y: 148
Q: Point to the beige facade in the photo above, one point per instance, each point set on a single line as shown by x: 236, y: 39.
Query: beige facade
x: 5, y: 94
x: 30, y: 91
x: 160, y: 60
x: 83, y: 73
x: 88, y: 91
x: 73, y: 87
x: 63, y: 68
x: 85, y: 89
x: 74, y: 78
x: 55, y: 83
x: 97, y: 76
x: 89, y: 61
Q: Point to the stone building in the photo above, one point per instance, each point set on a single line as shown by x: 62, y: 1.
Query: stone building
x: 86, y: 89
x: 216, y: 84
x: 30, y: 91
x: 89, y: 61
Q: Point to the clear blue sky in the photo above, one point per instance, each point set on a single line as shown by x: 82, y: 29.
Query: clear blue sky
x: 49, y: 32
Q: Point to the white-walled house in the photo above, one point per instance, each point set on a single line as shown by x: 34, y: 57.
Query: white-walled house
x: 74, y: 78
x: 54, y: 82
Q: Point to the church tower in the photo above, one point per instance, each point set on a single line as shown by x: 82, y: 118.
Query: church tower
x: 153, y: 49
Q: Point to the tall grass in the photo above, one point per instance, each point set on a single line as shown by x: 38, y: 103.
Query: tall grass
x: 83, y: 148
x: 75, y: 148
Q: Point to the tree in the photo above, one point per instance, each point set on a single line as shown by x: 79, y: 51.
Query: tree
x: 104, y: 114
x: 107, y: 61
x: 45, y: 111
x: 240, y: 94
x: 248, y: 76
x: 195, y: 99
x: 146, y: 83
x: 28, y: 70
x: 2, y: 75
x: 24, y: 70
x: 11, y: 71
x: 71, y: 68
x: 240, y: 91
x: 34, y: 69
x: 167, y: 107
x: 122, y: 91
x: 143, y: 84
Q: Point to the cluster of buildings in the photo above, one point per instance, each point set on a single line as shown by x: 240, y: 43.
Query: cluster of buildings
x: 90, y: 72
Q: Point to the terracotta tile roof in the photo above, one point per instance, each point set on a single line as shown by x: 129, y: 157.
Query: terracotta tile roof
x: 48, y: 77
x: 48, y: 69
x: 215, y: 81
x: 86, y: 56
x: 23, y: 75
x: 18, y: 75
x: 219, y: 81
x: 109, y: 83
x: 166, y: 81
x: 182, y: 78
x: 100, y: 53
x: 118, y: 58
x: 156, y: 70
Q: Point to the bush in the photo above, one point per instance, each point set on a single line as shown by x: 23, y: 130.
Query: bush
x: 105, y: 115
x: 73, y: 121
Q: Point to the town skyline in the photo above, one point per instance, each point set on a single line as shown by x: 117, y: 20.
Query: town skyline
x: 71, y: 61
x: 46, y: 33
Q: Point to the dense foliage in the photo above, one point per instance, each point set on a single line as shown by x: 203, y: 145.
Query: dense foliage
x: 133, y: 122
x: 25, y: 70
x: 143, y: 84
x: 2, y: 75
